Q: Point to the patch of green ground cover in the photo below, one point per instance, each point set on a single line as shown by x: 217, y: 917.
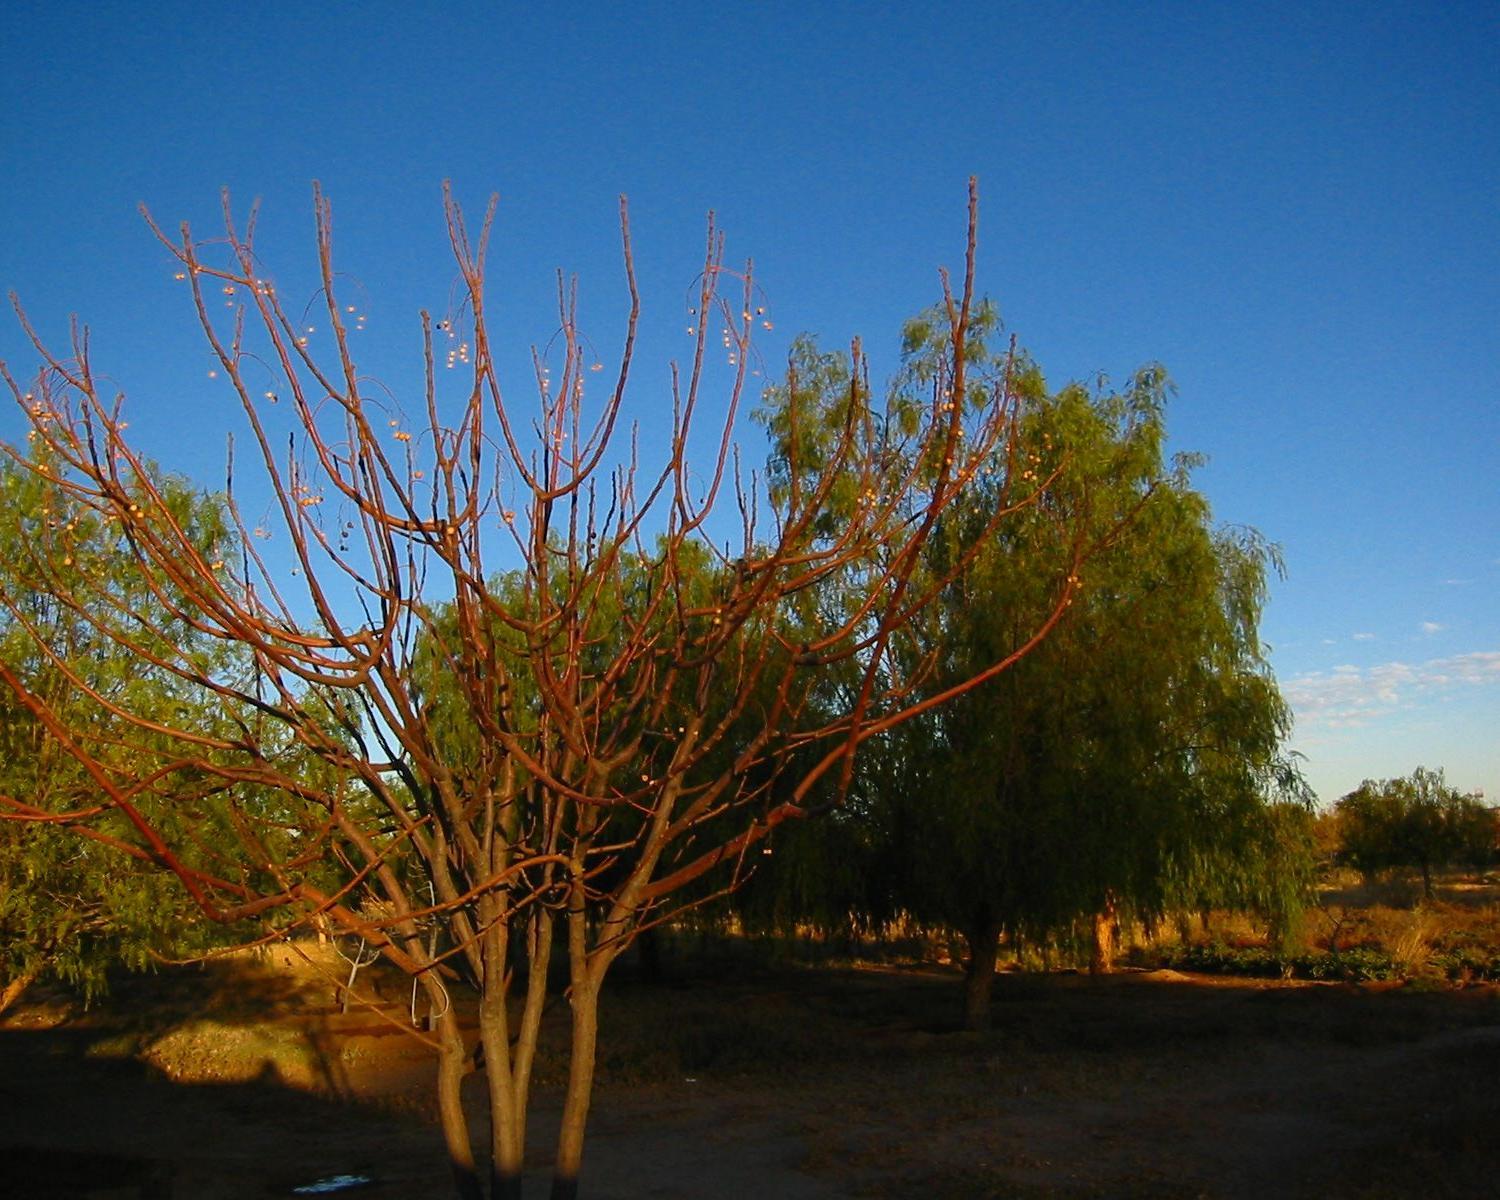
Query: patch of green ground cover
x: 1357, y: 964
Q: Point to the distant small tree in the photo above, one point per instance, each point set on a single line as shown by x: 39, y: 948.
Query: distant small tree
x: 1417, y: 822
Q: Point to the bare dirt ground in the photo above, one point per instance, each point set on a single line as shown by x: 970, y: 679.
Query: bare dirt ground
x: 243, y: 1080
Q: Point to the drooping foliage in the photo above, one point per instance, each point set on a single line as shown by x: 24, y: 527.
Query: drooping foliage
x: 1124, y: 768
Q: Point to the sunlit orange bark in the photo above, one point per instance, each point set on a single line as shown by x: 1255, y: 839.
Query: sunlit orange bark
x: 599, y: 763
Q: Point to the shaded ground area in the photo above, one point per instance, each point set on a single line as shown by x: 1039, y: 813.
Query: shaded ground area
x: 245, y: 1080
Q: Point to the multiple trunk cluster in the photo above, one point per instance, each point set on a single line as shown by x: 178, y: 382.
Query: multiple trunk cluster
x: 493, y: 689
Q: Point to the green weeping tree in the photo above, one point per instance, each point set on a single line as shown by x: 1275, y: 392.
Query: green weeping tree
x: 1125, y: 769
x: 1131, y: 765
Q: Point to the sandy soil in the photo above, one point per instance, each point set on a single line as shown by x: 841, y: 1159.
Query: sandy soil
x: 244, y: 1080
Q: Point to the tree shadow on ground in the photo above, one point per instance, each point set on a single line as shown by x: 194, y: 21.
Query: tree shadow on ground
x: 228, y: 1019
x: 80, y: 1125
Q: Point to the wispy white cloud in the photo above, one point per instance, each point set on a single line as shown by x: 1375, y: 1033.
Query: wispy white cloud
x: 1364, y: 637
x: 1330, y: 642
x: 1349, y: 696
x: 1457, y: 582
x: 1431, y: 627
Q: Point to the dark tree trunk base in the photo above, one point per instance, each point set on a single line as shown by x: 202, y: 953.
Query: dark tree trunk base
x: 979, y: 975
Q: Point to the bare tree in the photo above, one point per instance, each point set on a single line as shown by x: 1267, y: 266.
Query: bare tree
x: 581, y: 745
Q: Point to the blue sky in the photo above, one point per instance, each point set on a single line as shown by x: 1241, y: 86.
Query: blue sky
x: 1295, y: 208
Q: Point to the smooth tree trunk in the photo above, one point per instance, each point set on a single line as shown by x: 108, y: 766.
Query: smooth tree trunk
x: 575, y: 1114
x: 17, y: 987
x: 585, y: 975
x: 979, y: 974
x: 507, y: 1151
x: 539, y: 933
x: 1102, y: 961
x: 506, y: 1062
x: 452, y: 1066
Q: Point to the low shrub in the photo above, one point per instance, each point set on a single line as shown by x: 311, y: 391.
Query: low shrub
x: 1360, y: 964
x: 1468, y: 964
